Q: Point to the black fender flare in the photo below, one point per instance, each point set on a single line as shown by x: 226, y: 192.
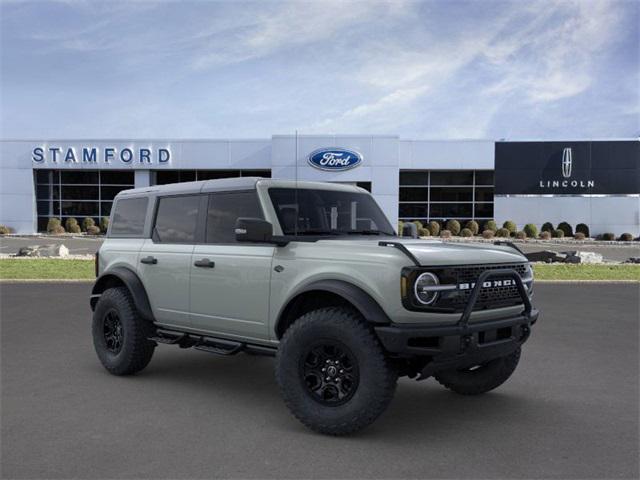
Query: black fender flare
x: 361, y: 300
x: 131, y: 280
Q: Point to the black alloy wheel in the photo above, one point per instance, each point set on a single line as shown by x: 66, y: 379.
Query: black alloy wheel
x: 113, y: 331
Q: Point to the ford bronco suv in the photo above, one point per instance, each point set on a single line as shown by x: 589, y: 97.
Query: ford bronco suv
x: 314, y: 274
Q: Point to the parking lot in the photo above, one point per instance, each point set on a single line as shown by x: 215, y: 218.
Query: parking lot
x: 569, y: 411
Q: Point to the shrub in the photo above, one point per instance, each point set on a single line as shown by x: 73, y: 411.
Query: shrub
x: 545, y: 235
x: 511, y: 226
x: 583, y: 228
x: 626, y: 237
x: 557, y: 233
x: 521, y: 235
x: 488, y: 234
x: 453, y: 226
x: 473, y: 226
x: 566, y: 228
x: 71, y: 225
x: 93, y: 230
x: 466, y: 232
x: 491, y: 225
x: 424, y: 232
x: 104, y: 224
x: 4, y: 229
x: 56, y: 230
x: 579, y: 236
x: 445, y: 234
x: 434, y: 227
x: 88, y: 222
x: 547, y: 227
x: 608, y: 236
x: 531, y: 230
x: 418, y: 224
x: 400, y: 226
x: 503, y: 233
x: 52, y: 224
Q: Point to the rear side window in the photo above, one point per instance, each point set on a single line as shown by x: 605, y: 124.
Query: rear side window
x: 176, y: 219
x: 224, y: 210
x: 128, y: 218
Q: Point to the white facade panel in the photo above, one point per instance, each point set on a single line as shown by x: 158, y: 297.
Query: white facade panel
x: 447, y: 155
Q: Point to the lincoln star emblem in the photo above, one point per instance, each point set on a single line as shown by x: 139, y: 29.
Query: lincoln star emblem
x: 567, y: 160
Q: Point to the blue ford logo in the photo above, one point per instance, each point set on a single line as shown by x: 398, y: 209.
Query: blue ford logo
x: 334, y: 159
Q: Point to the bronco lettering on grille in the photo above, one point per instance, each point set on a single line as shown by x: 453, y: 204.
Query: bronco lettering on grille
x: 487, y: 284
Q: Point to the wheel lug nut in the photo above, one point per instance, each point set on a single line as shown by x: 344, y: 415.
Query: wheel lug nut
x: 323, y: 369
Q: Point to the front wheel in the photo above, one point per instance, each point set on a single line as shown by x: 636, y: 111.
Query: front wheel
x: 332, y: 372
x: 480, y: 378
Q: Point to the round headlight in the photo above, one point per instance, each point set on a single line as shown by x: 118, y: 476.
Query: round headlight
x: 423, y: 294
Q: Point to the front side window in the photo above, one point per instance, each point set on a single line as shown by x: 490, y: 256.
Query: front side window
x: 176, y: 219
x: 128, y: 217
x: 328, y: 212
x: 224, y: 209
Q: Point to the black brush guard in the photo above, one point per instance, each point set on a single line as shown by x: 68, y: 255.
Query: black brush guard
x: 463, y: 344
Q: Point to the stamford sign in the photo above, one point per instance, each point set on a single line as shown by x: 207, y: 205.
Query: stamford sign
x: 334, y: 159
x: 95, y: 155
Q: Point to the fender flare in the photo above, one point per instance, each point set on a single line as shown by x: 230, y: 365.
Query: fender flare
x: 361, y: 300
x: 132, y: 282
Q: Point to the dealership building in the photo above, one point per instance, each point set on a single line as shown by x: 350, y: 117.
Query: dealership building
x: 596, y: 182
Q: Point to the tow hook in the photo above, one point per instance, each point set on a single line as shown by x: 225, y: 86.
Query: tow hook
x: 466, y: 341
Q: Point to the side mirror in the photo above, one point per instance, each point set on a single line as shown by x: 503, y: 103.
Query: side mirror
x: 253, y: 230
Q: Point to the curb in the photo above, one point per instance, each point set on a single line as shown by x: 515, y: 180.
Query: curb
x: 47, y: 280
x: 537, y: 281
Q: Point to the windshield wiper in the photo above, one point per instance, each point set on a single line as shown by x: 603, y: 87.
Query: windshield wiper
x: 315, y: 232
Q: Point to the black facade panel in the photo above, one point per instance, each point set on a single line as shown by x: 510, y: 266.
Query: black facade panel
x: 598, y: 167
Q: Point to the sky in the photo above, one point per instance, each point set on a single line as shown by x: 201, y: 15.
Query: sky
x: 420, y: 70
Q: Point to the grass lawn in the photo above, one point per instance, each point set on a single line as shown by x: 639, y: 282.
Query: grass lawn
x: 47, y: 269
x: 562, y: 271
x: 84, y: 270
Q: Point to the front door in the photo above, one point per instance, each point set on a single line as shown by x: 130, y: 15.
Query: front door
x: 230, y: 281
x: 165, y: 259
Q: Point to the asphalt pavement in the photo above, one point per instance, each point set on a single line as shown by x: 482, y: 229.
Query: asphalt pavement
x: 569, y: 411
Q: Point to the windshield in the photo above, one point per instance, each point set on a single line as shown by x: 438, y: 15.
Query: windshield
x: 327, y: 212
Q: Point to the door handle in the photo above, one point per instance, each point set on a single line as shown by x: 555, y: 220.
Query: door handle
x: 205, y: 263
x: 149, y: 260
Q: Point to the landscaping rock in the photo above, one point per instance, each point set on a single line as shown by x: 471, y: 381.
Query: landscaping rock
x: 583, y: 257
x: 547, y: 256
x: 632, y: 260
x: 52, y: 250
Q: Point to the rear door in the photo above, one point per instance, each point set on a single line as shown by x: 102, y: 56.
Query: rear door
x: 165, y: 259
x: 229, y: 280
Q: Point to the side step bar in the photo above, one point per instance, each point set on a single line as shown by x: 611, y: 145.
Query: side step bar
x: 219, y: 346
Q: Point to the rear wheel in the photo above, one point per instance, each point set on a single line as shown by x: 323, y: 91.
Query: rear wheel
x: 480, y: 378
x: 332, y: 372
x: 119, y: 334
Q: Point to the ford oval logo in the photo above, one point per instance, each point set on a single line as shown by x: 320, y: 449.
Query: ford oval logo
x: 334, y: 159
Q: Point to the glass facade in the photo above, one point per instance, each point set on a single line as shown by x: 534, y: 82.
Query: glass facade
x: 446, y: 194
x: 162, y: 177
x: 79, y: 194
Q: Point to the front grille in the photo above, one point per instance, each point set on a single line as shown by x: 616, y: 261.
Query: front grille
x: 490, y: 297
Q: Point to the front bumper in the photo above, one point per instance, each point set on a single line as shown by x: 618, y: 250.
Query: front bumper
x: 462, y: 344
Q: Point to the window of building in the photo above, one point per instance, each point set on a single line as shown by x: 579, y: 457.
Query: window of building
x: 128, y: 217
x: 70, y: 193
x: 176, y: 219
x: 163, y: 177
x: 224, y: 209
x: 446, y: 194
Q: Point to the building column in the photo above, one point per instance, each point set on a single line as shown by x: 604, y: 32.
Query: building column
x: 142, y: 178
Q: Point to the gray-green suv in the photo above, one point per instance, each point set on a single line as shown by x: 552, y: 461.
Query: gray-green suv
x: 315, y: 275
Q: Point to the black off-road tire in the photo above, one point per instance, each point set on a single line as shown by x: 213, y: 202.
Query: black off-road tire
x: 370, y: 393
x: 481, y: 379
x: 135, y: 350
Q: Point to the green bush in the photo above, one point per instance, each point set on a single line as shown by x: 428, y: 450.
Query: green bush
x: 511, y: 226
x: 93, y: 230
x: 473, y: 226
x: 52, y: 224
x: 104, y: 224
x: 608, y: 236
x: 5, y: 230
x: 583, y: 228
x: 71, y: 225
x: 503, y: 233
x: 488, y: 234
x: 453, y: 226
x: 466, y: 232
x: 557, y: 233
x: 491, y: 225
x: 400, y: 226
x: 531, y: 230
x: 57, y: 230
x: 445, y: 234
x: 545, y: 235
x: 424, y: 232
x: 88, y: 222
x: 547, y: 227
x: 566, y: 228
x: 434, y: 228
x: 579, y: 236
x: 521, y: 235
x: 626, y: 237
x: 418, y: 224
